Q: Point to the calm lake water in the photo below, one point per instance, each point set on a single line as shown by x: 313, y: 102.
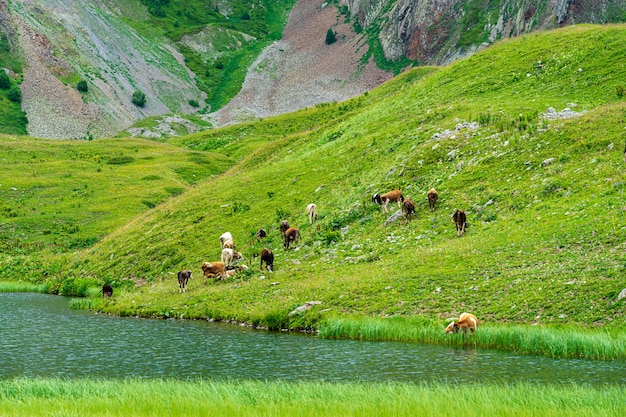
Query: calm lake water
x: 41, y: 336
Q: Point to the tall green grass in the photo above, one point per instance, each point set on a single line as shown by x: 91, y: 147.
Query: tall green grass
x: 23, y: 287
x: 568, y: 342
x: 42, y: 397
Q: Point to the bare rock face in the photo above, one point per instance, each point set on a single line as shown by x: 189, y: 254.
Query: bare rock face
x: 440, y: 31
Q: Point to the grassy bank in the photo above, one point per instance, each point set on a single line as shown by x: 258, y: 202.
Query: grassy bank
x: 554, y: 342
x: 23, y: 287
x: 33, y: 398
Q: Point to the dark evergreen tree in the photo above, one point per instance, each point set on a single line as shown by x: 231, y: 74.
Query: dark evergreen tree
x: 330, y: 37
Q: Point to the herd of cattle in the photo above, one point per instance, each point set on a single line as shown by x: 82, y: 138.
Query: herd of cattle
x: 227, y: 266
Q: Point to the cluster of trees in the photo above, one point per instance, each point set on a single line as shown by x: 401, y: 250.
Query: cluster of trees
x: 155, y: 7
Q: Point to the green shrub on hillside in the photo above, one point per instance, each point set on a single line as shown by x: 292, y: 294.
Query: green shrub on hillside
x: 120, y: 160
x: 5, y: 82
x: 139, y: 98
x: 82, y: 86
x: 15, y: 95
x: 77, y: 287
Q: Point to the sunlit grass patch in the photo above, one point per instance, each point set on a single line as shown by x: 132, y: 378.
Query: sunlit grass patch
x: 563, y: 342
x: 42, y: 397
x: 23, y: 287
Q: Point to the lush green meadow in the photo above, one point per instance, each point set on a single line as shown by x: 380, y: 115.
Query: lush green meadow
x: 24, y: 397
x: 545, y: 202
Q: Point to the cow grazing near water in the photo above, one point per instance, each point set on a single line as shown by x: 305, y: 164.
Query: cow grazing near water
x: 107, y: 290
x: 183, y: 280
x: 466, y: 321
x: 433, y: 196
x: 267, y: 256
x: 460, y: 219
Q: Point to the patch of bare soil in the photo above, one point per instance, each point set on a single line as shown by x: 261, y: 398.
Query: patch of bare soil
x: 301, y: 70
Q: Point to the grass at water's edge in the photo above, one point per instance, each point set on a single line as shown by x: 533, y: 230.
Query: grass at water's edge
x: 23, y: 287
x: 554, y: 342
x: 44, y: 397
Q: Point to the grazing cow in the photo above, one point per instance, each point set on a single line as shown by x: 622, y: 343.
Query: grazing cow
x: 390, y: 197
x: 183, y: 279
x: 214, y: 270
x: 227, y: 241
x: 408, y: 207
x: 433, y: 196
x: 284, y: 225
x: 311, y: 211
x: 460, y: 219
x: 107, y: 290
x: 291, y: 235
x: 261, y: 234
x: 235, y: 271
x: 267, y: 256
x: 230, y: 256
x: 466, y: 321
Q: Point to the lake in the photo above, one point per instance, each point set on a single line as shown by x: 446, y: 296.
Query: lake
x: 41, y: 336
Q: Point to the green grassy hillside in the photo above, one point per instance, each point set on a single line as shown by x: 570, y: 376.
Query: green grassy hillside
x: 545, y: 200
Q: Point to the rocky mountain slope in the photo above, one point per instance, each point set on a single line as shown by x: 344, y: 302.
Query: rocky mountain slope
x: 440, y: 31
x: 64, y: 41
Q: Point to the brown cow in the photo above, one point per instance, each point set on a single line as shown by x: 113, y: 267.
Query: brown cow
x: 460, y: 219
x: 433, y: 196
x: 291, y: 235
x: 408, y: 207
x: 390, y: 197
x: 214, y: 270
x: 267, y: 256
x: 466, y: 321
x: 107, y: 290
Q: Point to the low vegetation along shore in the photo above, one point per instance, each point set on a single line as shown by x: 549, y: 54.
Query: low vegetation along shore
x: 41, y: 397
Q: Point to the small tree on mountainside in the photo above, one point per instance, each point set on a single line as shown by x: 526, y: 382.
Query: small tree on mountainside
x: 330, y: 37
x: 139, y: 98
x: 15, y: 95
x: 82, y: 86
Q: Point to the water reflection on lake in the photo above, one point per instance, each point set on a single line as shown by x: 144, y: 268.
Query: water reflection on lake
x: 40, y: 336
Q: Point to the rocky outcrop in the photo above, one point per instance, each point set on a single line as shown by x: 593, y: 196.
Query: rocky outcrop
x: 440, y: 31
